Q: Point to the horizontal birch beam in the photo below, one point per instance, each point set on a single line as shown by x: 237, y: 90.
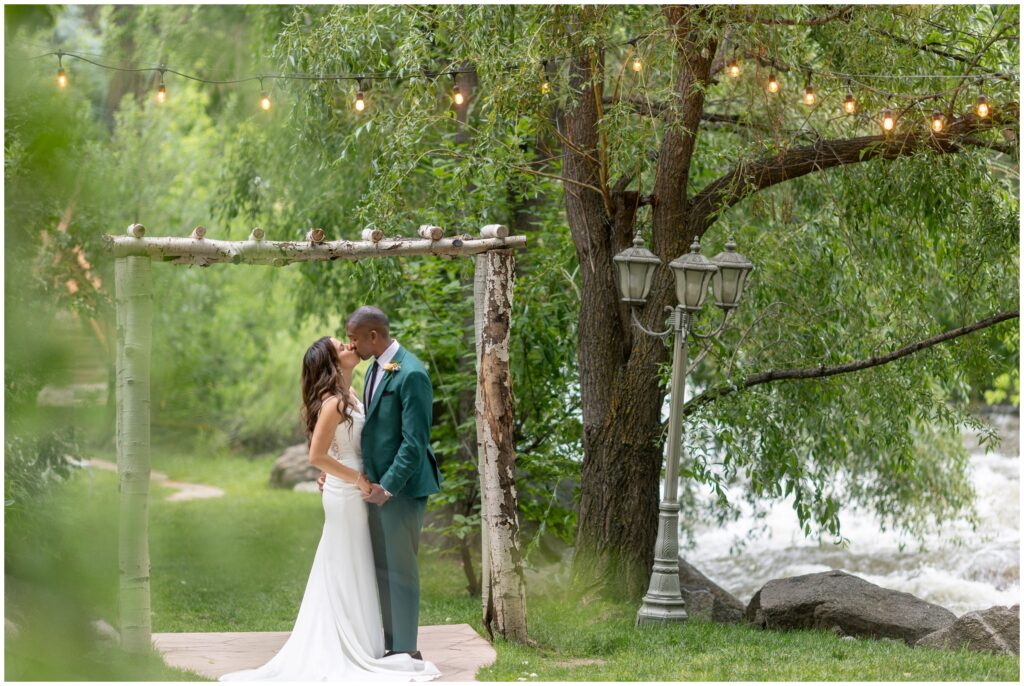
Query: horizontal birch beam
x: 206, y: 251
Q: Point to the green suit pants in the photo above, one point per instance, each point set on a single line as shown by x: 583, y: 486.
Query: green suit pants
x: 395, y: 532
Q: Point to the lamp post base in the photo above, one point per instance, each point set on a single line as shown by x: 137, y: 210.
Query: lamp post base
x: 661, y: 611
x: 664, y: 602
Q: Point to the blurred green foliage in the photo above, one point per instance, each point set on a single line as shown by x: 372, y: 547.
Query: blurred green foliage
x: 228, y: 340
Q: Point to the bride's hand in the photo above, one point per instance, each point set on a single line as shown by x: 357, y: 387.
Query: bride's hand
x: 363, y: 482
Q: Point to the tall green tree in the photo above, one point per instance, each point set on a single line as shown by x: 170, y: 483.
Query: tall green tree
x: 865, y: 241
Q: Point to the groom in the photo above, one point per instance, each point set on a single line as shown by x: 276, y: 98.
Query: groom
x: 397, y: 458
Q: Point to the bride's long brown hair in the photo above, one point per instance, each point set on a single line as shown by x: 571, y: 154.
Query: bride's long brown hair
x: 321, y: 375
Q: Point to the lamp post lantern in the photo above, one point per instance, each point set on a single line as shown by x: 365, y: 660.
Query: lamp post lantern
x: 727, y: 274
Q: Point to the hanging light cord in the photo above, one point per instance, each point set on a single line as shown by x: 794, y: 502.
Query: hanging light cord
x: 386, y: 76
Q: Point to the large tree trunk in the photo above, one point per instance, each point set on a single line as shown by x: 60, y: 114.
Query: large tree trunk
x: 134, y: 296
x: 621, y: 396
x: 618, y: 506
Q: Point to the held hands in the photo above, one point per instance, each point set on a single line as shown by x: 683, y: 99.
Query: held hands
x: 377, y: 495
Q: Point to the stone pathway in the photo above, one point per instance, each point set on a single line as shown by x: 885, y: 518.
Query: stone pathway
x: 457, y: 650
x: 185, y: 491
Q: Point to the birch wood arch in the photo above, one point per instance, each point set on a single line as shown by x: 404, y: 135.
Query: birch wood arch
x: 503, y: 589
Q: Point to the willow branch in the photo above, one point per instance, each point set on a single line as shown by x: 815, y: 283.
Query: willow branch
x: 648, y: 108
x: 930, y: 48
x: 814, y: 21
x: 974, y: 63
x: 750, y: 176
x: 822, y: 371
x: 991, y: 145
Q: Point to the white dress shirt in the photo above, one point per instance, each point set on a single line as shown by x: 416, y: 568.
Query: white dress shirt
x: 384, y: 358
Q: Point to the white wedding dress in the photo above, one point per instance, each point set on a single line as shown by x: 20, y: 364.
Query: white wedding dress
x: 338, y: 634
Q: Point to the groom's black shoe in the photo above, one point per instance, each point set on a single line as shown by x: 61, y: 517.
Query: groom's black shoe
x: 416, y: 655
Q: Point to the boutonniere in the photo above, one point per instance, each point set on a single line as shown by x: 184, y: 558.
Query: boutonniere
x: 392, y: 367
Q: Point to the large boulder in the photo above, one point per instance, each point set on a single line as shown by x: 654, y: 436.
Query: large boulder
x: 293, y: 468
x: 846, y: 604
x: 995, y: 630
x: 700, y: 604
x: 726, y: 608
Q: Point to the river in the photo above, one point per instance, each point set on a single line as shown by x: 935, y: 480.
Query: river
x: 981, y: 573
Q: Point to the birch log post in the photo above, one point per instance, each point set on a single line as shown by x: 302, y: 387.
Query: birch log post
x: 133, y: 286
x: 479, y: 290
x: 505, y: 594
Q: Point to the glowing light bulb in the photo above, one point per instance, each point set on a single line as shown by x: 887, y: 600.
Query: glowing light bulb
x: 773, y: 84
x: 849, y: 104
x: 734, y: 68
x: 457, y: 96
x: 161, y: 94
x: 360, y: 102
x: 887, y: 121
x: 937, y: 121
x: 809, y: 96
x: 983, y: 108
x: 62, y: 78
x: 637, y: 64
x: 545, y: 88
x: 265, y: 103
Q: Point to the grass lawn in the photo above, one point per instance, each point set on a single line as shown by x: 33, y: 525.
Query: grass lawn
x: 240, y: 562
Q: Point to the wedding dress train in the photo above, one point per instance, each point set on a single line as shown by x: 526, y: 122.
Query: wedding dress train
x: 338, y: 634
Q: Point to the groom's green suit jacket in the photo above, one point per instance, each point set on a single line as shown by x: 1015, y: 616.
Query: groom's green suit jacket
x: 396, y: 436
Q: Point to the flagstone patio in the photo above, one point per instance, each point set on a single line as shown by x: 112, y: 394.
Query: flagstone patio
x: 457, y: 650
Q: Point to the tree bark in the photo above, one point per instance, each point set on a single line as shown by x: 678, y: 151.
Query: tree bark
x: 134, y: 296
x: 505, y: 606
x: 618, y: 512
x: 621, y: 394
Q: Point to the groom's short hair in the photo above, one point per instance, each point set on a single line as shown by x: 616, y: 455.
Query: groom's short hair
x: 369, y: 317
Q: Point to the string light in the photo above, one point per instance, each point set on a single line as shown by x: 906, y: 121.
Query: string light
x: 161, y: 92
x: 734, y: 67
x: 982, y: 108
x: 887, y: 121
x: 809, y: 96
x: 62, y: 77
x: 849, y: 104
x: 360, y: 101
x: 265, y: 103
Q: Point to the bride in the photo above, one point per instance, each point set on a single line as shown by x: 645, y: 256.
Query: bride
x: 338, y: 634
